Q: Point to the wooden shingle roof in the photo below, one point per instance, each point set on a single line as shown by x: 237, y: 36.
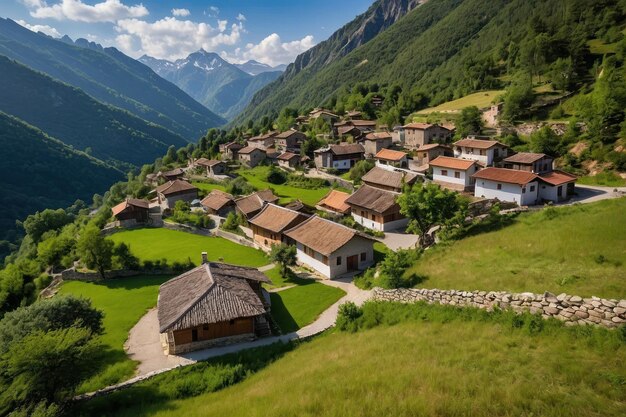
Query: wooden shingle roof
x: 129, y: 202
x: 323, y: 236
x: 175, y: 186
x: 217, y: 199
x: 256, y: 201
x: 374, y: 199
x: 384, y: 177
x: 525, y: 157
x: 276, y: 219
x: 478, y: 143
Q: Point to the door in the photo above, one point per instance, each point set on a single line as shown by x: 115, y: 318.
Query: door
x: 194, y: 335
x: 353, y: 262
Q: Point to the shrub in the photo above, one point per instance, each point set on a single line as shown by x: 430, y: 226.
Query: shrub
x: 348, y: 314
x: 276, y: 175
x: 232, y: 222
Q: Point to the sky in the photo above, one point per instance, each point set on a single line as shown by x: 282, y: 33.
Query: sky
x: 269, y: 31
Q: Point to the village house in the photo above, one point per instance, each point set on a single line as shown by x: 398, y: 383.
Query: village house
x: 212, y: 167
x: 389, y: 179
x: 364, y: 126
x: 354, y: 115
x: 389, y: 158
x: 376, y: 209
x: 289, y: 141
x: 288, y: 160
x: 348, y: 130
x: 172, y: 191
x: 335, y: 203
x: 416, y: 135
x: 250, y: 205
x: 375, y: 141
x: 218, y: 203
x: 556, y: 186
x: 342, y: 157
x: 328, y: 116
x: 485, y: 152
x: 230, y: 150
x: 263, y: 142
x: 212, y: 305
x: 425, y: 154
x: 174, y: 174
x: 331, y: 248
x: 453, y: 173
x: 131, y: 211
x: 539, y: 163
x: 509, y: 185
x: 271, y: 222
x: 491, y: 115
x: 251, y: 156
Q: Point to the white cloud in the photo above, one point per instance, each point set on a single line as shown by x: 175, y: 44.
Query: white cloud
x: 214, y: 9
x: 171, y: 38
x: 76, y: 10
x: 48, y: 30
x: 241, y: 17
x: 181, y: 12
x: 271, y: 50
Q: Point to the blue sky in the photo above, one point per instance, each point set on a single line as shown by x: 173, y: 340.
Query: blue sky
x: 270, y: 31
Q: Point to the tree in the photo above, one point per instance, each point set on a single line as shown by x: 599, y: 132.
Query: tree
x: 517, y: 99
x: 123, y: 257
x: 95, y: 250
x: 393, y: 266
x: 427, y: 205
x: 359, y: 169
x: 470, y: 121
x: 285, y: 256
x: 39, y: 223
x: 546, y: 141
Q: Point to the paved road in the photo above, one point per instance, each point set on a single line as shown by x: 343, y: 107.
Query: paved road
x: 592, y: 193
x: 144, y: 344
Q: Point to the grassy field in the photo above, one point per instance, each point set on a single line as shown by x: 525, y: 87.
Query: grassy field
x: 296, y: 307
x: 481, y: 99
x: 175, y: 246
x: 606, y: 179
x: 437, y: 363
x: 123, y: 302
x: 256, y: 177
x: 208, y: 187
x: 579, y: 250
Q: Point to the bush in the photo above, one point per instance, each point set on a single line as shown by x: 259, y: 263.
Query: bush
x: 232, y: 222
x: 276, y: 175
x: 348, y: 314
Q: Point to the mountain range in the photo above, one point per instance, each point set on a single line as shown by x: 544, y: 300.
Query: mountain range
x: 222, y: 87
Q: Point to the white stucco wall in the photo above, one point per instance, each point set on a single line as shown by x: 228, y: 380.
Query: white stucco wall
x: 343, y: 164
x: 475, y: 156
x: 382, y: 227
x: 464, y: 180
x: 509, y: 192
x: 356, y: 246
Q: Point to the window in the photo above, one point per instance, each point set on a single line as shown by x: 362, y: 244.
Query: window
x: 457, y: 174
x: 499, y: 186
x: 338, y: 260
x: 363, y: 256
x: 532, y: 188
x: 523, y: 190
x: 482, y: 152
x: 444, y: 172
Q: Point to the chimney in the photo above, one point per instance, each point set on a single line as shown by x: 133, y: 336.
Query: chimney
x: 205, y: 258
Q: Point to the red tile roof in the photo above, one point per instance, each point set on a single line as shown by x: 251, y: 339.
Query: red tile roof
x: 390, y: 155
x: 478, y: 143
x: 557, y: 178
x: 421, y: 126
x: 452, y: 163
x: 336, y: 201
x: 509, y: 176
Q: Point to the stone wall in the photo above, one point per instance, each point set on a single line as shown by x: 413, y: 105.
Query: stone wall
x: 570, y: 309
x: 72, y: 274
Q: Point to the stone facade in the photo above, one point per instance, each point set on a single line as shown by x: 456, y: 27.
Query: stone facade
x: 72, y: 274
x: 570, y: 309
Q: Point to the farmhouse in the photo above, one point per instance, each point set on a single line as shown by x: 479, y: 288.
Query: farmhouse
x: 250, y: 205
x: 539, y: 163
x: 556, y: 186
x: 212, y: 166
x: 376, y: 141
x: 331, y: 248
x: 426, y: 153
x: 230, y: 150
x: 218, y: 203
x: 342, y: 157
x: 289, y: 141
x: 376, y: 209
x: 391, y: 158
x: 172, y: 175
x: 348, y: 130
x: 416, y: 135
x: 172, y: 191
x: 263, y: 141
x: 454, y: 173
x: 288, y: 160
x: 364, y: 126
x: 269, y: 225
x: 251, y: 156
x: 130, y: 211
x: 328, y: 116
x: 389, y: 179
x: 211, y: 305
x: 334, y: 202
x: 485, y: 152
x: 510, y: 185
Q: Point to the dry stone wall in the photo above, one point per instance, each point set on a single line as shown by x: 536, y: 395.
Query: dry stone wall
x: 570, y: 309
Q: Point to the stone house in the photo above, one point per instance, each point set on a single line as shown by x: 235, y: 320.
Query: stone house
x: 375, y: 141
x: 131, y: 211
x: 218, y: 203
x: 250, y: 205
x: 251, y: 156
x: 485, y: 152
x: 289, y: 141
x: 328, y: 116
x: 376, y: 209
x: 425, y: 154
x: 390, y: 158
x: 387, y: 178
x: 539, y: 163
x: 288, y: 160
x: 331, y: 248
x: 453, y: 173
x: 263, y: 142
x: 230, y: 150
x: 174, y: 174
x: 172, y: 191
x: 342, y: 157
x: 211, y: 305
x: 269, y: 225
x: 212, y: 167
x: 416, y: 135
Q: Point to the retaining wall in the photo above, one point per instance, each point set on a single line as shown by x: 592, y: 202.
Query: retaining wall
x: 570, y: 309
x: 72, y: 274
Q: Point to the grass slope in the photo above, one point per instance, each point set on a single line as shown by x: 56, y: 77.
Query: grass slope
x: 296, y: 307
x: 582, y: 251
x: 256, y: 177
x: 175, y: 246
x: 438, y: 363
x: 481, y: 100
x: 123, y: 302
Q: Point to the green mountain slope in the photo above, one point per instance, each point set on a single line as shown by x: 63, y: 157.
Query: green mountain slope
x: 446, y: 48
x: 78, y: 120
x: 39, y: 172
x: 236, y: 96
x: 111, y: 77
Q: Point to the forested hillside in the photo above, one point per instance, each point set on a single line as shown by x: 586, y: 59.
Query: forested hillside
x: 40, y: 172
x: 111, y: 77
x: 446, y: 49
x: 70, y: 115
